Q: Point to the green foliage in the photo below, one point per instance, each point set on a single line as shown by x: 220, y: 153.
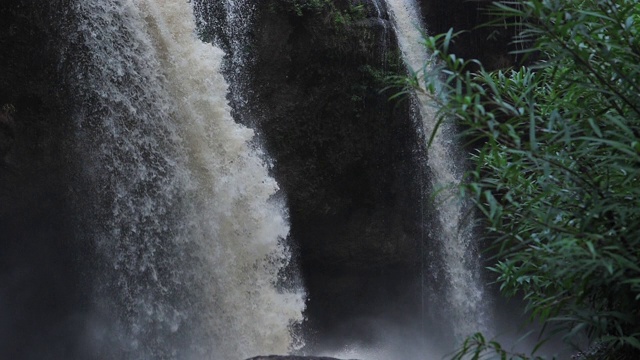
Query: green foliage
x: 337, y: 16
x: 348, y: 16
x: 557, y: 166
x: 301, y: 7
x: 477, y: 347
x: 8, y: 109
x: 393, y: 63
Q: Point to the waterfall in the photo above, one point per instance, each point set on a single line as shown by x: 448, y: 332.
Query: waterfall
x: 464, y: 295
x: 380, y: 17
x: 179, y: 208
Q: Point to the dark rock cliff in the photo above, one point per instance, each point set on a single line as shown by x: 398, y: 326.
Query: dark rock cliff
x: 343, y: 152
x: 41, y: 291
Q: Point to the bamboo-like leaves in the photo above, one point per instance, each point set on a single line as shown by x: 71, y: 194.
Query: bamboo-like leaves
x: 557, y: 173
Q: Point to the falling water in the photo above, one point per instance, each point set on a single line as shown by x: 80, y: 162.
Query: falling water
x: 187, y: 237
x: 376, y: 5
x: 384, y: 39
x: 464, y: 293
x: 379, y: 13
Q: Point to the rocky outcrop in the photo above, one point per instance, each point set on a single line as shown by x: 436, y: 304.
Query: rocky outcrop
x: 343, y: 152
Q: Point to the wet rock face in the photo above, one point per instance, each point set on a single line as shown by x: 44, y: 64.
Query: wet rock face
x: 345, y: 156
x: 343, y: 152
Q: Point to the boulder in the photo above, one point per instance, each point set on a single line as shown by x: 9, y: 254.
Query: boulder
x: 291, y: 357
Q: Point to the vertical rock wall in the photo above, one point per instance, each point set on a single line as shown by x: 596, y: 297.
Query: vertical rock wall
x: 42, y: 294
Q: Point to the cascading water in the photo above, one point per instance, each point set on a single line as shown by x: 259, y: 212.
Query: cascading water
x: 188, y: 238
x: 464, y: 292
x: 379, y: 16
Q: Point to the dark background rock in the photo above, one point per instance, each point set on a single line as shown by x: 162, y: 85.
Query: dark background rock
x: 347, y: 160
x: 42, y: 296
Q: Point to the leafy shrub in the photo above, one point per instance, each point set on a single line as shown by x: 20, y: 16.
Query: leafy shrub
x: 344, y: 17
x: 557, y: 165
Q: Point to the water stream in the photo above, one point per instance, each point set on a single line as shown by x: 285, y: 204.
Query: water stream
x: 464, y: 298
x: 188, y: 239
